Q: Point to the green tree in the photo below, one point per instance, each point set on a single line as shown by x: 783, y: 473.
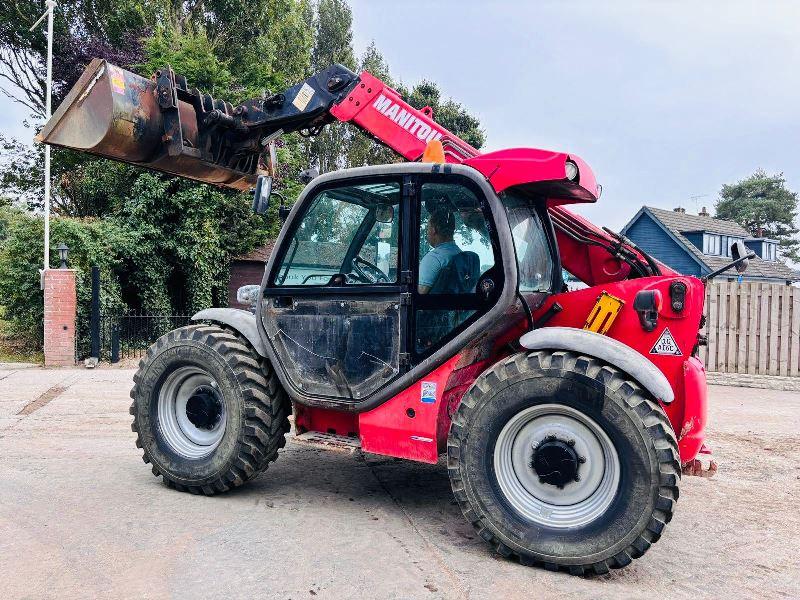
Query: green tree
x: 333, y: 43
x: 190, y: 53
x: 333, y: 35
x: 764, y: 206
x: 449, y: 113
x: 363, y: 149
x: 21, y: 171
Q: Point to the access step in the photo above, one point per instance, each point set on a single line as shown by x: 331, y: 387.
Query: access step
x: 328, y: 441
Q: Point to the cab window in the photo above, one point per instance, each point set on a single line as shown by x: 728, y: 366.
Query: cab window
x: 454, y: 252
x: 454, y: 244
x: 534, y: 260
x: 348, y: 235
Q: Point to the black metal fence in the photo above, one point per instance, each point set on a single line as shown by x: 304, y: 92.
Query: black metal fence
x: 115, y: 335
x: 129, y: 334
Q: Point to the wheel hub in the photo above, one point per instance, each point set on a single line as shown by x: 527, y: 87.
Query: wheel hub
x: 556, y: 466
x: 556, y: 462
x: 203, y: 408
x: 192, y: 416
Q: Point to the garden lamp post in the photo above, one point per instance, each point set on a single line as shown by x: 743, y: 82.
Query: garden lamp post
x: 63, y: 251
x: 51, y: 5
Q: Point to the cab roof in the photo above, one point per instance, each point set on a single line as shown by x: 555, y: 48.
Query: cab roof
x: 539, y: 171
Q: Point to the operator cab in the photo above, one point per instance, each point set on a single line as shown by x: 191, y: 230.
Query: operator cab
x: 382, y: 272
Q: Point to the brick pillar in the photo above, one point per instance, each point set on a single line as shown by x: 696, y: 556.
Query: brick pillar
x: 60, y: 304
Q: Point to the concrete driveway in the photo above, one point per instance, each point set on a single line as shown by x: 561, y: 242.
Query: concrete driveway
x: 81, y: 515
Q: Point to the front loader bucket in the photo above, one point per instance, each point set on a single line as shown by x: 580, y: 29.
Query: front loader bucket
x: 117, y: 114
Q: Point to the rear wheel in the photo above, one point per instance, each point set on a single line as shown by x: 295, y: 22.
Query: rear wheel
x: 208, y: 411
x: 561, y: 460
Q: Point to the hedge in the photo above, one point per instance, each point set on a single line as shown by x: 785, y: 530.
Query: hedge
x: 90, y: 242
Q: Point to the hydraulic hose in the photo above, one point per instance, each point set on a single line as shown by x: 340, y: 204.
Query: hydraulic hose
x: 630, y: 258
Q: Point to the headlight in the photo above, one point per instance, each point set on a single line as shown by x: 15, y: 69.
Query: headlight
x: 572, y: 170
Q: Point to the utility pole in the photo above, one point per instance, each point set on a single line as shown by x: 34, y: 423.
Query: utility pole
x: 51, y: 5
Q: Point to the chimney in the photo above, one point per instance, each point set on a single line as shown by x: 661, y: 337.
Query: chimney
x: 704, y: 213
x: 679, y: 210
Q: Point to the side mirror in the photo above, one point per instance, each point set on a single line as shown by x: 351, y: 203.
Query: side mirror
x: 308, y: 175
x: 739, y: 250
x: 261, y: 194
x: 248, y: 294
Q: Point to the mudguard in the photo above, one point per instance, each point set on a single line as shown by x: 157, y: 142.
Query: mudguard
x: 241, y: 320
x: 605, y: 348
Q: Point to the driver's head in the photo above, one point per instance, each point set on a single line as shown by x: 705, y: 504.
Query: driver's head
x: 441, y: 227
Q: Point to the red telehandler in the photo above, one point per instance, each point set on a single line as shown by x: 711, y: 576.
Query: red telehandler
x: 419, y: 309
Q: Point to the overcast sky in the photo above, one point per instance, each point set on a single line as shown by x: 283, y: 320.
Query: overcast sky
x: 665, y: 100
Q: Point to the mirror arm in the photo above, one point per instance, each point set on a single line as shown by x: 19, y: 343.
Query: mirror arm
x: 730, y: 265
x: 283, y: 210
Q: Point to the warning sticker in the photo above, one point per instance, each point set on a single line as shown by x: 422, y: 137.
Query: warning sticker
x: 117, y: 79
x: 303, y: 97
x: 666, y: 345
x: 428, y: 394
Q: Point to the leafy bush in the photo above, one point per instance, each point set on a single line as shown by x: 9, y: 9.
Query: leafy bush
x: 91, y: 242
x: 166, y: 249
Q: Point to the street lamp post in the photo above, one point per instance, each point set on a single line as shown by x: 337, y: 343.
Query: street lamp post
x: 51, y: 5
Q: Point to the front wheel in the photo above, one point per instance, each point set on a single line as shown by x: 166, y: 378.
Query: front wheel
x: 208, y: 412
x: 561, y: 460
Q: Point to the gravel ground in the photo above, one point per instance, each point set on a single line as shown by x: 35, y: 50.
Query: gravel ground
x: 81, y: 515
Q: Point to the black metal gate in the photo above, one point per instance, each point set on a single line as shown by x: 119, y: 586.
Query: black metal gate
x: 115, y: 335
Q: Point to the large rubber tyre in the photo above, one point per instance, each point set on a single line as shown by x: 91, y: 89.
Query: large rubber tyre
x: 646, y: 468
x: 252, y: 408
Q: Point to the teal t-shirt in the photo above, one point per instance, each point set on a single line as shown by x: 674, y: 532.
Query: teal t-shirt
x: 435, y: 260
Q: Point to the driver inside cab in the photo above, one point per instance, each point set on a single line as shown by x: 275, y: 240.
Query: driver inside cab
x: 441, y: 228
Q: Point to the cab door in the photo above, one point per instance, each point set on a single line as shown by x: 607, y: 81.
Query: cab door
x: 333, y: 306
x: 458, y: 273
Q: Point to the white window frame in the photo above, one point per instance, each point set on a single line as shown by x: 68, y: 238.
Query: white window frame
x: 712, y: 244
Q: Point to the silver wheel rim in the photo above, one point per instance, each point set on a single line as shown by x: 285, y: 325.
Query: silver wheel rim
x: 184, y: 393
x: 578, y: 502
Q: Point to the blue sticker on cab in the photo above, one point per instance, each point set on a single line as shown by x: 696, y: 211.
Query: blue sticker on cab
x: 428, y: 392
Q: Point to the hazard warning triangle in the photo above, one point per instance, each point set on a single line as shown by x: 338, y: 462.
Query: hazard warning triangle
x: 666, y: 345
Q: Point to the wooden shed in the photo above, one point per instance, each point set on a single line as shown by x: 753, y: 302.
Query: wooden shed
x: 248, y: 269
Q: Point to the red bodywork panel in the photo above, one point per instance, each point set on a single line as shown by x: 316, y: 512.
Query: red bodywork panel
x: 406, y: 426
x: 414, y: 424
x: 685, y: 373
x: 693, y: 420
x: 521, y: 166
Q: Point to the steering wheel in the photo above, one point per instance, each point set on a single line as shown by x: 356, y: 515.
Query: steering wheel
x: 368, y: 272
